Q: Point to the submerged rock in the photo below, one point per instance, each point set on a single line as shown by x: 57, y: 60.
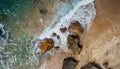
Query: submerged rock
x: 58, y: 37
x: 63, y: 30
x: 75, y: 28
x: 3, y: 17
x: 91, y: 65
x: 69, y: 63
x: 3, y: 33
x: 46, y: 45
x: 54, y: 34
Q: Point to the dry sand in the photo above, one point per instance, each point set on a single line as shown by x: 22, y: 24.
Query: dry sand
x: 101, y: 43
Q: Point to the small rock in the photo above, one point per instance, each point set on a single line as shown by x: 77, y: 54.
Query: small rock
x: 58, y: 37
x: 91, y: 65
x: 56, y: 47
x: 69, y: 63
x: 54, y: 34
x: 46, y: 45
x: 63, y: 30
x: 75, y: 28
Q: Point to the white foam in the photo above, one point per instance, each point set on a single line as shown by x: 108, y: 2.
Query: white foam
x: 4, y: 33
x: 80, y: 13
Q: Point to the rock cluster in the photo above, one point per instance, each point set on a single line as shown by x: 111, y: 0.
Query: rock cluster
x: 73, y: 38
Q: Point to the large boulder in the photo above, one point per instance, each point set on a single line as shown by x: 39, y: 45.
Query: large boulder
x: 46, y: 45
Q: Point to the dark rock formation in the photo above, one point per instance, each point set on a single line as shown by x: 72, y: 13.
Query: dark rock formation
x: 69, y: 63
x: 73, y: 41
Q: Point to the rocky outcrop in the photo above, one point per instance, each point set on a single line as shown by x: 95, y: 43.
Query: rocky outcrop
x: 46, y: 45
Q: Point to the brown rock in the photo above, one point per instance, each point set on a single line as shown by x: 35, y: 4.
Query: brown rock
x: 76, y: 28
x: 63, y: 30
x: 54, y: 34
x: 46, y: 45
x: 58, y: 37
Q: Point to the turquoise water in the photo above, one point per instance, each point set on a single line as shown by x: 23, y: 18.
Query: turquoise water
x: 12, y: 15
x: 14, y: 8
